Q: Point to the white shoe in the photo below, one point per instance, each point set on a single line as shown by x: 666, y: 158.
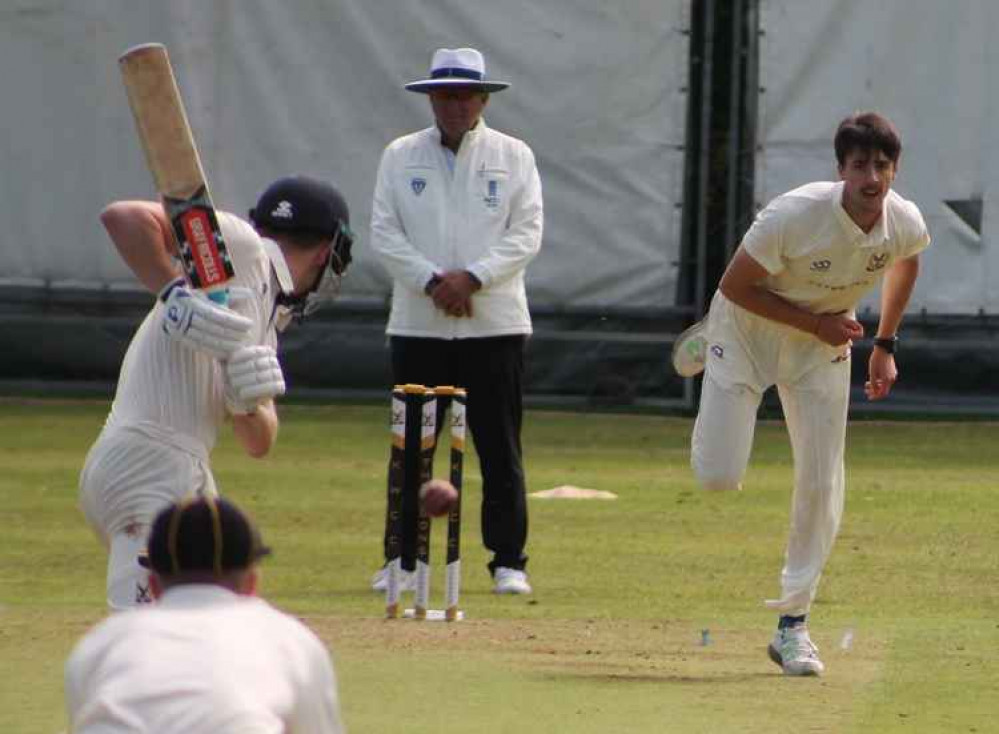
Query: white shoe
x: 510, y: 581
x: 793, y: 650
x: 690, y: 351
x: 379, y: 582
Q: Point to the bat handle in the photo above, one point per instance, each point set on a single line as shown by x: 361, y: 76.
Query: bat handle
x: 219, y: 296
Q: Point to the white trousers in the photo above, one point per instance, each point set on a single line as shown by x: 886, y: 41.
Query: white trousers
x: 746, y: 355
x: 127, y: 478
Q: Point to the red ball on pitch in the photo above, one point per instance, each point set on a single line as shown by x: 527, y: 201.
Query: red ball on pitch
x: 438, y: 497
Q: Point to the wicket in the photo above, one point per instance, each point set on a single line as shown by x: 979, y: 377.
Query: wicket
x: 414, y: 437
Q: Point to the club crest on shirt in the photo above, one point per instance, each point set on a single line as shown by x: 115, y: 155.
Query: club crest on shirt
x: 492, y: 198
x: 820, y: 265
x: 418, y: 185
x: 877, y: 261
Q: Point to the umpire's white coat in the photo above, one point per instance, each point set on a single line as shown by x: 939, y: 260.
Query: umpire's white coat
x: 485, y: 217
x: 163, y: 423
x: 820, y: 260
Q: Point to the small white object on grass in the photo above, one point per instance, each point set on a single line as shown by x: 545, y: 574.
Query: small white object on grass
x: 847, y: 640
x: 568, y: 491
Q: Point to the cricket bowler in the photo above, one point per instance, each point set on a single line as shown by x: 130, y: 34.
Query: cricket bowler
x: 784, y: 315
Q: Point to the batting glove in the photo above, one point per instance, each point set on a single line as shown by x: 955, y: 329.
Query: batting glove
x: 197, y: 323
x: 252, y: 376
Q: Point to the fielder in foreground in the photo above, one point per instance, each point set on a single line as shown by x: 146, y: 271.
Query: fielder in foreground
x: 193, y: 362
x: 784, y: 315
x: 209, y: 656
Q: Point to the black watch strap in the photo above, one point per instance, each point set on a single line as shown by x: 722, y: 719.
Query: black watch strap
x: 888, y: 343
x: 431, y: 284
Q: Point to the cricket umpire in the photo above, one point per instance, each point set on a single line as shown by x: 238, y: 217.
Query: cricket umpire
x: 209, y: 657
x: 193, y: 364
x: 457, y: 216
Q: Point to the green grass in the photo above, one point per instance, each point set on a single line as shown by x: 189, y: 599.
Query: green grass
x: 611, y: 640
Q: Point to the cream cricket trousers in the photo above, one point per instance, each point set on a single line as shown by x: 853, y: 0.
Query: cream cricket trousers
x: 746, y: 355
x: 127, y: 478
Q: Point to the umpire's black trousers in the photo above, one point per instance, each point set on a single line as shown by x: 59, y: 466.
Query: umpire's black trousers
x: 491, y: 369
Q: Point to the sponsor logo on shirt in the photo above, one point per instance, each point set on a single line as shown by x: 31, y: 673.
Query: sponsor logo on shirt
x: 844, y: 287
x: 492, y: 198
x: 418, y: 184
x: 820, y: 266
x: 716, y: 349
x: 877, y: 262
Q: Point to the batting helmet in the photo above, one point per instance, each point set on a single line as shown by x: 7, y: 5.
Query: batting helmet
x: 308, y: 206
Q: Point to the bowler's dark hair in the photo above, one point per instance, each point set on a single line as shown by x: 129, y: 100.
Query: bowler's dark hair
x: 867, y: 131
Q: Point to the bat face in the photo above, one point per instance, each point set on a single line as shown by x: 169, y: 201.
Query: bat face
x: 173, y: 160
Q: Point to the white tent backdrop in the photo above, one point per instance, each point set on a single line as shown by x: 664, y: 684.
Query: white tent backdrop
x: 930, y: 66
x: 272, y: 88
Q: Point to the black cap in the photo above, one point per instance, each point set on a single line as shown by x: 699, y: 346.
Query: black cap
x: 302, y: 204
x: 202, y: 534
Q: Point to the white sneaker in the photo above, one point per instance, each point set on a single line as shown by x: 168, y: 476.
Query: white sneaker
x: 690, y: 351
x: 510, y: 581
x: 379, y: 582
x: 793, y: 650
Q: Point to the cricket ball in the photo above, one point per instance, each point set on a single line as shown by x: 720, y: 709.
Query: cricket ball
x: 438, y: 496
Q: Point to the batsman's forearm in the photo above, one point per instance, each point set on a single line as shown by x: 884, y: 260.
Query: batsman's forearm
x: 257, y: 431
x: 141, y: 235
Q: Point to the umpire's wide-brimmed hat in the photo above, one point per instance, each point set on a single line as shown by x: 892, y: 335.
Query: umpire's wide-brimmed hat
x: 202, y: 535
x: 457, y: 67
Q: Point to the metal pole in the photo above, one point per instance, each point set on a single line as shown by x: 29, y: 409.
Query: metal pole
x: 700, y: 292
x: 733, y: 149
x: 701, y: 248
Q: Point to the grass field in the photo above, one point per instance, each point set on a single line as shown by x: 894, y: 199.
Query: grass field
x: 611, y: 641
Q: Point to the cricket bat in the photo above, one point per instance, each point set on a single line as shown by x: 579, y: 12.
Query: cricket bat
x: 172, y: 157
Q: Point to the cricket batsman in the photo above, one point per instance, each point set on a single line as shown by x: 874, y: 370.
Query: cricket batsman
x: 784, y: 315
x: 193, y: 364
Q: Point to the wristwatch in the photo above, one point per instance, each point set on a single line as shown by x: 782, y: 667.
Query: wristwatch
x: 888, y: 343
x: 431, y: 284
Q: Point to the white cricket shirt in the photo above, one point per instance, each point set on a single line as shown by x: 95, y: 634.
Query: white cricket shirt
x: 202, y: 660
x: 817, y: 256
x: 484, y: 214
x: 174, y: 394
